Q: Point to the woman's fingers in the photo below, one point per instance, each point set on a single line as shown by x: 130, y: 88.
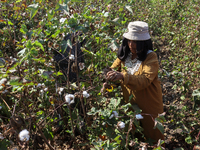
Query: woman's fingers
x: 111, y: 76
x: 110, y: 72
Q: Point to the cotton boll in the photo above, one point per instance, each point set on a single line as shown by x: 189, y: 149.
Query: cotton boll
x: 139, y: 116
x: 41, y: 93
x: 115, y: 113
x: 39, y: 85
x: 71, y: 57
x: 3, y: 81
x: 60, y: 91
x: 0, y: 107
x: 5, y: 91
x: 121, y: 125
x: 69, y: 98
x: 24, y: 135
x: 81, y: 66
x: 72, y: 102
x: 62, y: 20
x: 85, y: 94
x: 111, y: 116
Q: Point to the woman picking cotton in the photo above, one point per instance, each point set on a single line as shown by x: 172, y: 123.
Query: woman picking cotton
x: 137, y: 67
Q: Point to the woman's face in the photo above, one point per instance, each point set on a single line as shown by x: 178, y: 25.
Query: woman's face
x: 132, y: 46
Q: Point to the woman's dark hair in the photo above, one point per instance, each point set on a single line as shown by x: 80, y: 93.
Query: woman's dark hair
x: 141, y: 46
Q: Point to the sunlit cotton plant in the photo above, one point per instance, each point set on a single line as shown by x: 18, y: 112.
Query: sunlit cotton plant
x: 24, y: 135
x: 69, y: 98
x: 85, y: 94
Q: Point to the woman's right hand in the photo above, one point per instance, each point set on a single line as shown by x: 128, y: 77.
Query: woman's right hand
x: 114, y: 76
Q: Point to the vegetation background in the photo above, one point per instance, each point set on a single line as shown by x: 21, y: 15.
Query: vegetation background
x: 32, y: 30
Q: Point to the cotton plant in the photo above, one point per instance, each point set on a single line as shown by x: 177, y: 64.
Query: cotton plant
x: 85, y: 94
x: 69, y: 98
x: 24, y: 135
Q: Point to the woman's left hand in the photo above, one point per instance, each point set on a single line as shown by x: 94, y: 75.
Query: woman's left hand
x: 114, y: 76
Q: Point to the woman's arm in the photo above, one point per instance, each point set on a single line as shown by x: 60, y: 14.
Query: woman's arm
x: 116, y: 64
x: 149, y: 73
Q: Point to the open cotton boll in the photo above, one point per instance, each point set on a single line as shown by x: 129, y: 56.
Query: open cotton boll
x: 60, y: 91
x: 139, y: 116
x: 111, y: 116
x: 85, y: 94
x: 69, y: 98
x: 24, y: 135
x: 81, y: 66
x: 121, y: 125
x: 62, y: 20
x: 0, y: 107
x: 39, y: 85
x: 115, y: 113
x: 71, y: 57
x: 2, y: 81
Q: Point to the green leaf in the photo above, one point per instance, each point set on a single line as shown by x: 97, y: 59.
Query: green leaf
x: 18, y: 1
x: 63, y: 7
x: 56, y: 33
x: 50, y: 14
x: 58, y: 73
x: 188, y: 140
x: 29, y: 44
x: 21, y: 81
x: 114, y: 102
x: 129, y: 9
x: 34, y: 9
x: 159, y: 126
x: 182, y: 97
x: 23, y: 29
x: 38, y: 44
x: 69, y: 43
x: 34, y: 52
x: 93, y: 111
x: 126, y: 106
x: 107, y: 1
x: 10, y: 23
x: 2, y: 62
x: 42, y: 60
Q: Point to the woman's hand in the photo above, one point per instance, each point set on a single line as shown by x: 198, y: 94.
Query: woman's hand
x: 114, y: 76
